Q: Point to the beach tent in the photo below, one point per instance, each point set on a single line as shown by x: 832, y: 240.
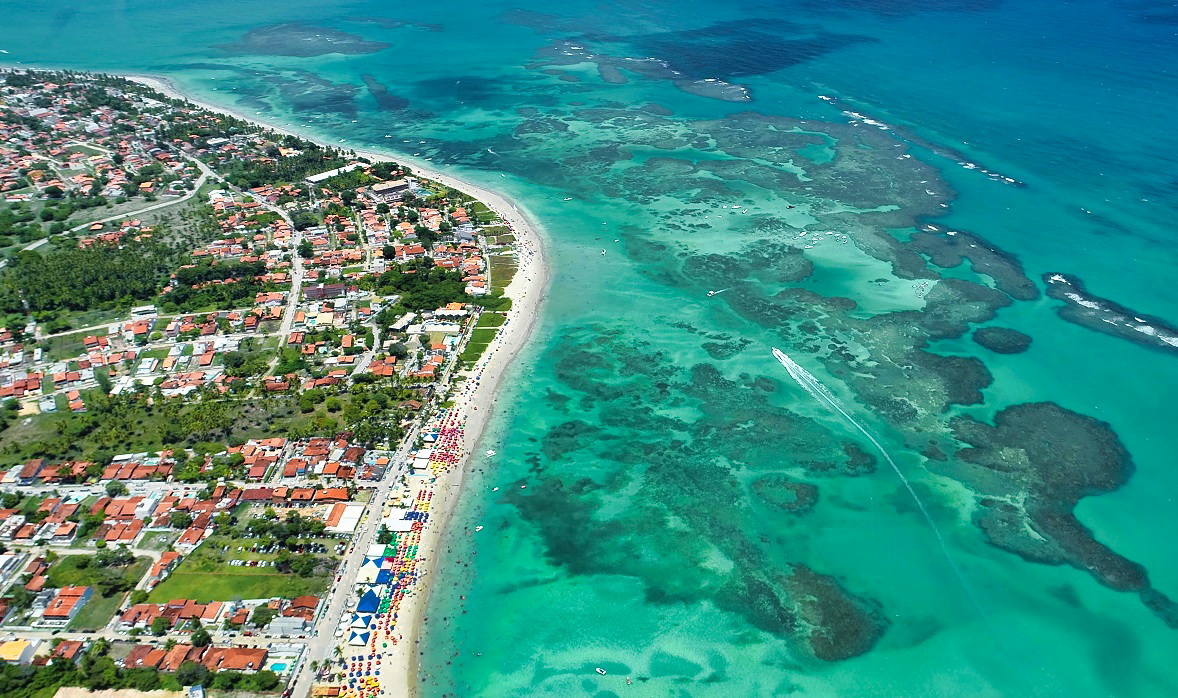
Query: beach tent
x: 375, y: 550
x: 369, y: 602
x: 367, y: 574
x: 359, y: 638
x: 361, y: 620
x: 396, y: 520
x: 384, y: 576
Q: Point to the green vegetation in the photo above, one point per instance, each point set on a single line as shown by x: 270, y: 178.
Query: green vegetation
x: 123, y: 423
x: 207, y: 575
x: 96, y: 613
x: 99, y: 276
x: 491, y: 320
x: 235, y: 583
x: 108, y: 571
x: 201, y: 287
x: 503, y: 269
x: 95, y: 670
x: 480, y: 212
x: 480, y: 338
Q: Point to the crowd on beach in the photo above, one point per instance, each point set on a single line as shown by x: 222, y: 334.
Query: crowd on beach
x: 387, y: 658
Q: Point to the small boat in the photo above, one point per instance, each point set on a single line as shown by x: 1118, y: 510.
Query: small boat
x: 387, y: 136
x: 490, y: 453
x: 603, y: 252
x: 477, y: 529
x: 713, y: 293
x: 494, y: 489
x: 601, y: 671
x: 568, y: 198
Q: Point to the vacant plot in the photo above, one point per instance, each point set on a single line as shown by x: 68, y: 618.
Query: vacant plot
x: 479, y: 339
x: 207, y: 575
x: 255, y: 583
x: 96, y: 613
x: 503, y: 268
x: 67, y: 346
x: 491, y: 319
x: 158, y: 540
x: 83, y: 570
x: 482, y: 213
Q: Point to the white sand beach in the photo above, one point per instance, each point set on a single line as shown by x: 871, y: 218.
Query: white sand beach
x: 474, y: 401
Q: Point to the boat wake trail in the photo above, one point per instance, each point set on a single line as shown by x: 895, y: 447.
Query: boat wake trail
x: 823, y: 395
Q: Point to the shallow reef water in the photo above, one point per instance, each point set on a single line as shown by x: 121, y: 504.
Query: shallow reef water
x: 905, y: 200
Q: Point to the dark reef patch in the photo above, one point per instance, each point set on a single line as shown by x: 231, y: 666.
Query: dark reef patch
x: 1109, y: 317
x: 1002, y: 340
x: 734, y: 49
x: 840, y: 625
x: 1050, y: 457
x: 785, y: 493
x: 300, y: 40
x: 947, y: 249
x: 385, y: 99
x: 727, y: 349
x: 683, y: 504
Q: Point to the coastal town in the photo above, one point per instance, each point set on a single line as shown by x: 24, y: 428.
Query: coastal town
x: 240, y: 373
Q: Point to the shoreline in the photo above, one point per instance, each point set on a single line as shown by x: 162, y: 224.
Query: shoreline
x: 526, y: 290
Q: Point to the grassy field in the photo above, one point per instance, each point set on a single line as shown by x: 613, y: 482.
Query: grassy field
x: 158, y: 540
x: 206, y: 575
x: 239, y: 584
x: 67, y: 345
x: 96, y: 613
x: 479, y: 339
x: 491, y: 319
x: 68, y: 571
x: 503, y: 268
x: 484, y: 214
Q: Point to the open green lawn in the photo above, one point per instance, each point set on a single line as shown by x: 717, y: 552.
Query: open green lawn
x: 73, y: 570
x: 67, y: 345
x: 491, y: 319
x: 158, y: 540
x: 484, y: 214
x: 96, y: 613
x: 503, y: 268
x: 206, y: 575
x: 479, y: 339
x: 242, y: 583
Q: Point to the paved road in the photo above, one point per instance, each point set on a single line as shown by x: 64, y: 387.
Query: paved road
x: 319, y: 647
x: 204, y: 175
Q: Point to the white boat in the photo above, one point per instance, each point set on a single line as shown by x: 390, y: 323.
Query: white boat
x: 601, y: 671
x: 477, y: 529
x: 490, y: 453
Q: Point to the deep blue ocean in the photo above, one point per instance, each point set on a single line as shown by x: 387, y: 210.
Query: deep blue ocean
x: 965, y: 486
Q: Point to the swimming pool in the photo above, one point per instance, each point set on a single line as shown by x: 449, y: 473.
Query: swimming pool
x: 278, y: 666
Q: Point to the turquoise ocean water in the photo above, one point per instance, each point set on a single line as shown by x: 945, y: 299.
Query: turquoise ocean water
x: 673, y: 506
